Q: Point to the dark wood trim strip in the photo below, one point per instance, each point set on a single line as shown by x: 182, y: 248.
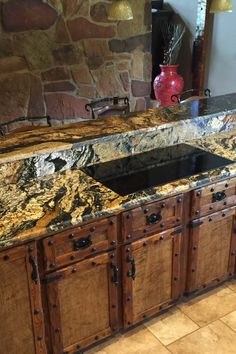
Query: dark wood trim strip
x: 204, y: 26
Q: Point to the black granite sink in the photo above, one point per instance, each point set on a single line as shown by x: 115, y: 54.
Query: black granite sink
x: 154, y: 168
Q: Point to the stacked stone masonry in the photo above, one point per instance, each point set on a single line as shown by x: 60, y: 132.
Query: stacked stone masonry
x: 58, y: 55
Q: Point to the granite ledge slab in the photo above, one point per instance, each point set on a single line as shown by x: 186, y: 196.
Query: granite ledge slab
x: 45, y: 151
x: 48, y: 204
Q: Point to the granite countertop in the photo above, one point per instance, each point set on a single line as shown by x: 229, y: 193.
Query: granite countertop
x: 33, y: 208
x: 45, y: 151
x: 43, y: 140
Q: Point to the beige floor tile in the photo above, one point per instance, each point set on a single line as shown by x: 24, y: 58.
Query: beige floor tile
x: 232, y: 284
x: 230, y: 320
x: 171, y: 326
x: 137, y: 341
x: 210, y: 306
x: 216, y: 338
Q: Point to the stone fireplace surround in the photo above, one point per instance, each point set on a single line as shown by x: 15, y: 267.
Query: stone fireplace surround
x: 58, y: 55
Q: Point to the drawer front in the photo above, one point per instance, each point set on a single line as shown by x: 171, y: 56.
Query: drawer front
x: 213, y: 198
x: 76, y: 244
x: 152, y: 218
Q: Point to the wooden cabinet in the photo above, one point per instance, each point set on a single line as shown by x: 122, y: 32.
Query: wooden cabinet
x: 212, y: 249
x: 21, y: 314
x: 85, y: 281
x: 151, y: 275
x: 83, y: 302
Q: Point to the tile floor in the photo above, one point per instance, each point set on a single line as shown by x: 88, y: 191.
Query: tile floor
x: 203, y: 325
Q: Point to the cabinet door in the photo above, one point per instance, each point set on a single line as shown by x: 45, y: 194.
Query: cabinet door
x: 151, y: 276
x: 83, y: 304
x: 21, y: 324
x: 212, y: 249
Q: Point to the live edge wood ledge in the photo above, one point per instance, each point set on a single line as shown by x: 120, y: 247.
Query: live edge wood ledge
x: 78, y: 262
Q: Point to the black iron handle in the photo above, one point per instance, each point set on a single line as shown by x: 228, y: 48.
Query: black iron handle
x: 153, y: 218
x: 35, y: 272
x: 132, y: 271
x: 82, y: 243
x: 115, y: 270
x: 217, y: 197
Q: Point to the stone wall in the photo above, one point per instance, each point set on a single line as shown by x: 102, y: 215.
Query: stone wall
x: 58, y: 55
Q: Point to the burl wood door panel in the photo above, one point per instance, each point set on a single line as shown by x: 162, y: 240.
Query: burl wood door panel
x: 151, y: 275
x: 76, y: 244
x: 83, y: 303
x: 21, y: 315
x: 152, y: 218
x: 212, y: 249
x: 212, y: 198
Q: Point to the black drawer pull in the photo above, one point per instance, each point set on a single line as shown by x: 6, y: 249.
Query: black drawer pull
x: 115, y: 270
x: 35, y: 272
x: 82, y: 243
x: 132, y: 271
x: 217, y: 197
x: 153, y: 218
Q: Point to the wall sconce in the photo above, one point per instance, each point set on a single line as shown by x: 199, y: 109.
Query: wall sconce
x: 120, y: 10
x: 221, y: 6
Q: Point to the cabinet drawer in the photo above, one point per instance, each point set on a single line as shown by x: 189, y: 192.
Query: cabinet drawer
x: 79, y: 243
x: 152, y: 218
x: 214, y: 197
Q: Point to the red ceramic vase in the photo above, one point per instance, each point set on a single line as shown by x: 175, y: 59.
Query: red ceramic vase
x: 168, y: 83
